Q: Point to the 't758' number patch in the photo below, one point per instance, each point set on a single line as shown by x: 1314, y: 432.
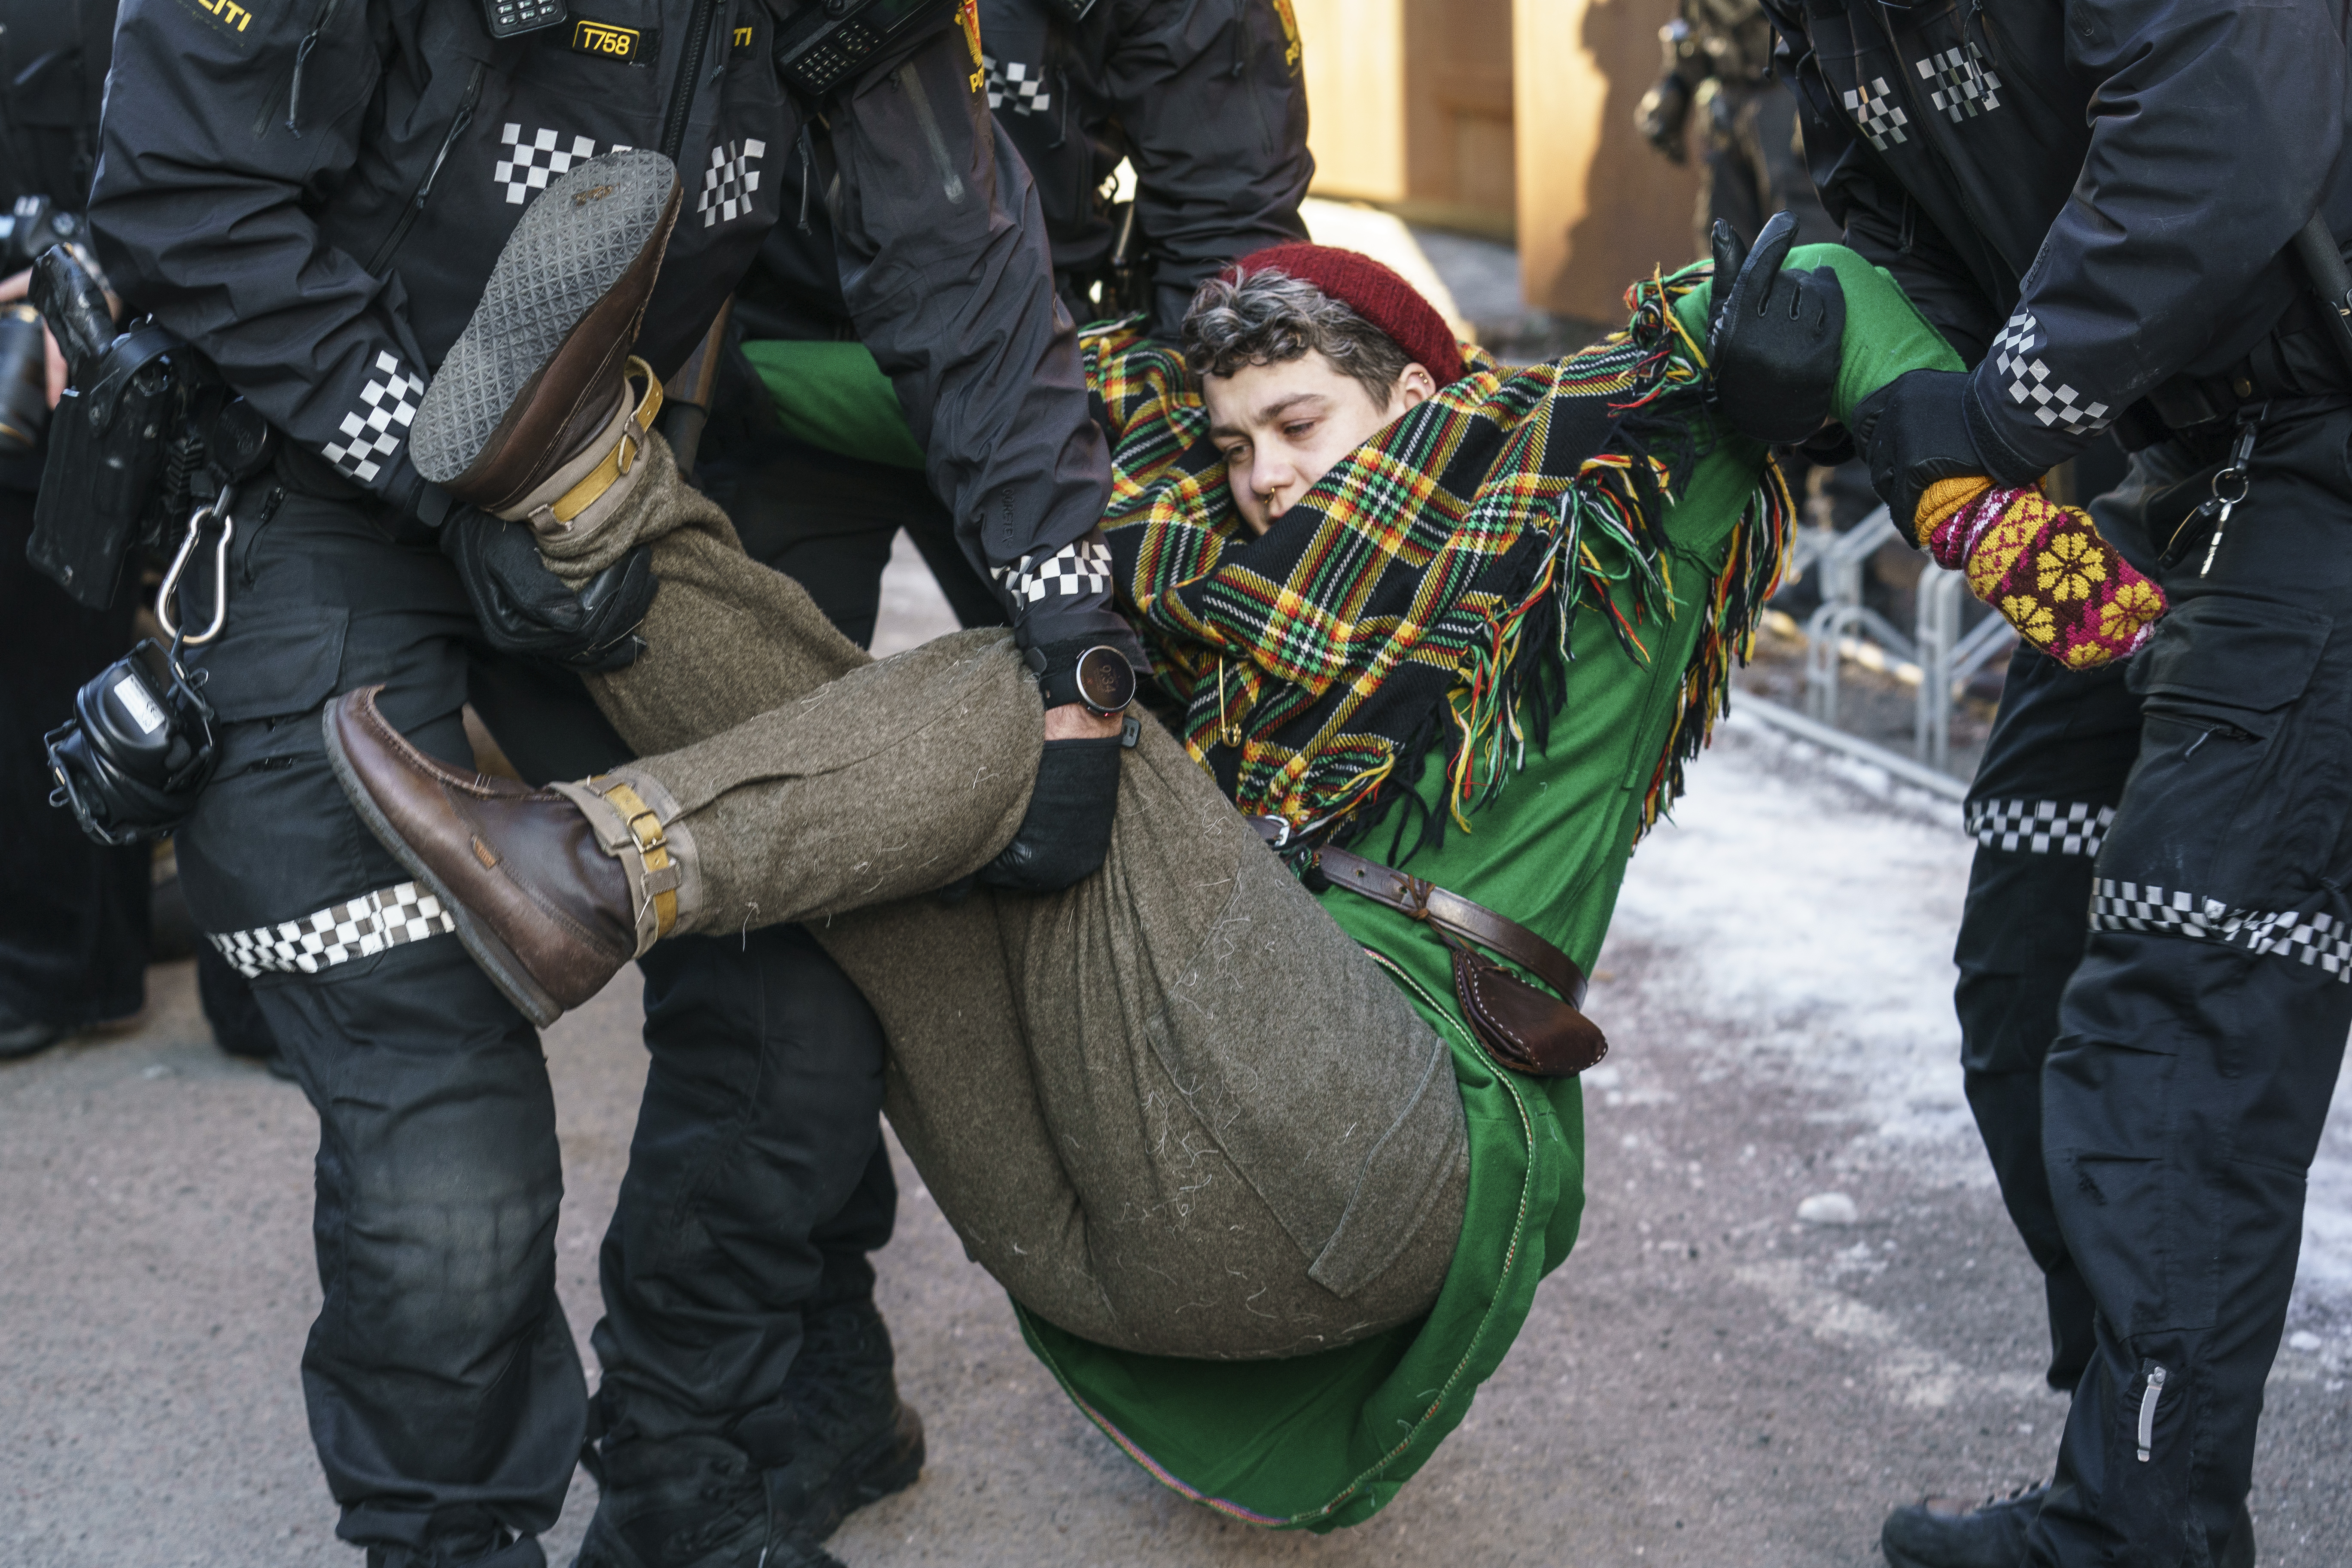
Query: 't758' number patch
x: 609, y: 41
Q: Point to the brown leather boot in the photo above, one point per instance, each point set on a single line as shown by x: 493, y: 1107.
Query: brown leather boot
x: 544, y: 908
x: 530, y: 415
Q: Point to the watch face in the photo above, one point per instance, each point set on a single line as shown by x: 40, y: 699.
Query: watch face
x: 1105, y: 683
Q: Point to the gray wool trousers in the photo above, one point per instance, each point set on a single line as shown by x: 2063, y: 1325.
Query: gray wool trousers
x: 1174, y: 1109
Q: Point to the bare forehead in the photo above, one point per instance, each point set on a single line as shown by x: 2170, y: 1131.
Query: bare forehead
x: 1258, y: 394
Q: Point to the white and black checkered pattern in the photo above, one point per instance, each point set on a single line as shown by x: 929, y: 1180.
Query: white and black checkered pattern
x: 1081, y: 566
x: 1967, y: 86
x: 730, y: 181
x: 1022, y: 87
x: 2315, y: 937
x: 530, y: 164
x: 366, y: 926
x: 2040, y: 827
x: 371, y: 435
x: 1874, y: 109
x: 2029, y: 379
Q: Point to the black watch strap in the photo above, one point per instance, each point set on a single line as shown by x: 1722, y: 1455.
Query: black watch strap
x: 1098, y: 676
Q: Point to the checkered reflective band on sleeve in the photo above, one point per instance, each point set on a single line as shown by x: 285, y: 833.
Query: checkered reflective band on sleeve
x: 1081, y: 566
x: 363, y: 928
x: 2040, y: 827
x: 2312, y: 939
x: 2031, y: 380
x: 372, y: 434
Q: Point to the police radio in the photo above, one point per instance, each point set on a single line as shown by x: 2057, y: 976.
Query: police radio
x: 824, y: 43
x: 506, y: 18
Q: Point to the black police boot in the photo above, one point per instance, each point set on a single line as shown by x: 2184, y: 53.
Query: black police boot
x: 26, y: 1036
x: 838, y: 1439
x: 1944, y: 1532
x: 493, y: 1548
x: 691, y: 1502
x: 854, y: 1441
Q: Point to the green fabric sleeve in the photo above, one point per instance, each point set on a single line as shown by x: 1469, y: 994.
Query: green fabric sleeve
x: 1885, y: 335
x: 832, y: 394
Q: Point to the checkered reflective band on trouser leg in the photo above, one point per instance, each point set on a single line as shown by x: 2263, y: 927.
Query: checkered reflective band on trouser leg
x: 2316, y: 938
x: 2040, y: 827
x: 365, y: 926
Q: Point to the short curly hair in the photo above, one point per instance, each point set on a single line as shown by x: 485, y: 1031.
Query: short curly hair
x: 1272, y: 318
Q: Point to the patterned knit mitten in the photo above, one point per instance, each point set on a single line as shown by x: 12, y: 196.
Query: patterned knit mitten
x: 2043, y: 566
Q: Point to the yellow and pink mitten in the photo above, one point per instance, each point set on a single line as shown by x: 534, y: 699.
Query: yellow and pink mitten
x: 2042, y: 566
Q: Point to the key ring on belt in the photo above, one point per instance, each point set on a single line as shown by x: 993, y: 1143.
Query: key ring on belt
x: 216, y: 511
x: 2230, y: 485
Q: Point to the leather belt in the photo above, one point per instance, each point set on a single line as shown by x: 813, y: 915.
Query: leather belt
x: 1450, y: 911
x: 1520, y: 1028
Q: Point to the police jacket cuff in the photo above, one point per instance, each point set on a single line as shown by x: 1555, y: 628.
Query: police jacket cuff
x: 404, y: 489
x: 2017, y: 448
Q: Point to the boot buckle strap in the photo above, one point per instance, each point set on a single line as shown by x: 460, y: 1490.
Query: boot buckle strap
x: 621, y: 459
x: 663, y: 874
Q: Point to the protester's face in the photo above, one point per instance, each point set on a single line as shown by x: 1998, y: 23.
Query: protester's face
x: 1281, y: 427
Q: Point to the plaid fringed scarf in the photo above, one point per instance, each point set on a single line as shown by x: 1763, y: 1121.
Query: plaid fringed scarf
x: 1416, y: 593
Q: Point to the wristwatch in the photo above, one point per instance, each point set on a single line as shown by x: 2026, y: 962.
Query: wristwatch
x: 1101, y: 679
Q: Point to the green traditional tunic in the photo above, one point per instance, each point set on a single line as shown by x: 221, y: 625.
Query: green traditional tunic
x: 1324, y: 1441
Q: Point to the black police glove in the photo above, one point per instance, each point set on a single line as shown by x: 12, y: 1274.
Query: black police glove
x: 527, y: 610
x: 1661, y: 116
x: 1065, y: 832
x: 1922, y: 426
x: 1778, y: 337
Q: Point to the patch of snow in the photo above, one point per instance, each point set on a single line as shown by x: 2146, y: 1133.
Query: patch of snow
x: 1828, y: 1208
x: 1822, y: 919
x: 1811, y: 906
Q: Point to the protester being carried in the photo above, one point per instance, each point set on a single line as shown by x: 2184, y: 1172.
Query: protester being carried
x: 1192, y: 1102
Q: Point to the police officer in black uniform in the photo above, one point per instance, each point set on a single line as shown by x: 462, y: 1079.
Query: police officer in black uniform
x: 1718, y: 61
x: 2096, y: 204
x: 1207, y: 101
x: 73, y: 914
x: 314, y: 195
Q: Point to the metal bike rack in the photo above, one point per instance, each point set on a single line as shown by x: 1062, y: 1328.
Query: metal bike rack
x: 1944, y: 657
x: 1839, y: 559
x: 1946, y: 660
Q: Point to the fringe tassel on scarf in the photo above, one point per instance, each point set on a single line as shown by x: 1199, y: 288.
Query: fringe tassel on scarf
x: 1554, y: 482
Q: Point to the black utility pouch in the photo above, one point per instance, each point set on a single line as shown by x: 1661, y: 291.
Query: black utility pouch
x: 106, y: 447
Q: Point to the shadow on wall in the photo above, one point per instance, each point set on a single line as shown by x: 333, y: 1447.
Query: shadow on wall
x: 1637, y: 209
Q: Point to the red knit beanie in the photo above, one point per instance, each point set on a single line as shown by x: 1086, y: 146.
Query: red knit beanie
x: 1374, y: 292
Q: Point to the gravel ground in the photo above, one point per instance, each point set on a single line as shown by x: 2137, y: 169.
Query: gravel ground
x: 1706, y: 1381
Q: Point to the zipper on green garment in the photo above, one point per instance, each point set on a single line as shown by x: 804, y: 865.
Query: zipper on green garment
x: 689, y: 71
x: 415, y: 207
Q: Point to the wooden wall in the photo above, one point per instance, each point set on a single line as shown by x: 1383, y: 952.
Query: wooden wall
x: 1509, y: 118
x: 1412, y: 107
x: 1597, y: 208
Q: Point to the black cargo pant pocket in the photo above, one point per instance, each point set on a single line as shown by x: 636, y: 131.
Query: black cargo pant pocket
x: 2239, y: 797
